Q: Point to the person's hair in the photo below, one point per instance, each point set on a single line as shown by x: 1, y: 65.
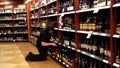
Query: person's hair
x: 49, y: 28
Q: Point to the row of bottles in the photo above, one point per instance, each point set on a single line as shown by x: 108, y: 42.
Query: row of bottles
x: 20, y: 16
x: 9, y: 17
x: 68, y: 39
x: 17, y: 10
x: 86, y: 4
x: 86, y: 62
x: 95, y: 22
x: 117, y: 51
x: 53, y: 22
x: 66, y: 55
x: 20, y: 23
x: 68, y: 22
x: 96, y: 46
x: 66, y: 5
x: 6, y: 32
x: 42, y: 11
x: 52, y: 9
x: 7, y: 10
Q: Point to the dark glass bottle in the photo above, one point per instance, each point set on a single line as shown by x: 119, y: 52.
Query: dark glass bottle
x: 99, y: 24
x: 107, y: 25
x: 102, y: 49
x: 118, y: 57
x: 107, y: 53
x: 94, y: 47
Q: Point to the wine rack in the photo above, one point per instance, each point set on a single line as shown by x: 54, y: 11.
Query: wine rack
x: 13, y: 25
x: 90, y: 29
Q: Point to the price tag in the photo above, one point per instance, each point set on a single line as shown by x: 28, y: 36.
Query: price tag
x: 14, y: 12
x: 55, y: 28
x: 78, y: 50
x: 89, y: 34
x: 96, y: 10
x: 55, y: 41
x: 64, y: 63
x: 72, y: 30
x: 69, y: 47
x: 103, y: 34
x: 92, y: 56
x: 59, y: 43
x: 73, y: 48
x: 63, y: 44
x: 4, y: 33
x: 116, y: 65
x: 95, y: 33
x: 116, y: 36
x: 59, y: 60
x: 105, y: 61
x: 83, y: 52
x: 67, y: 30
x: 67, y: 65
x: 62, y: 14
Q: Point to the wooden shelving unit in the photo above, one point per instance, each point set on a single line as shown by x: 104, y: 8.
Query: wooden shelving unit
x: 90, y: 31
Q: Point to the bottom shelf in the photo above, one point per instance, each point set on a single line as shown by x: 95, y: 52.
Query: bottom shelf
x: 66, y: 65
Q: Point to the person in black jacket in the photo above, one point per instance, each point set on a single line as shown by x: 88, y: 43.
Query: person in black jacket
x: 43, y: 42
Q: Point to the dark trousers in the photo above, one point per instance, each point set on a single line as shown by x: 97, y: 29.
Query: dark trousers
x: 42, y: 56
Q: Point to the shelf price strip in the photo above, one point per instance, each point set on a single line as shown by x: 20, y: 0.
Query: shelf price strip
x: 105, y: 61
x: 116, y: 65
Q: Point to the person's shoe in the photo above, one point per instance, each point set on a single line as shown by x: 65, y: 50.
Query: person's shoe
x: 28, y: 55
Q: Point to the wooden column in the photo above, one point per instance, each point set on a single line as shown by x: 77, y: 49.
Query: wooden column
x: 112, y: 32
x: 28, y: 19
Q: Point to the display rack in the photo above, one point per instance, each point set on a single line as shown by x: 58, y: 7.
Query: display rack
x: 13, y: 25
x: 90, y: 31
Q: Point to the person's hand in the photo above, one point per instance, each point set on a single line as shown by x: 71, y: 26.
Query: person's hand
x: 53, y: 44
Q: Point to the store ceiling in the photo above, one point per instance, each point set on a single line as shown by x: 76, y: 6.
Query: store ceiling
x: 9, y: 2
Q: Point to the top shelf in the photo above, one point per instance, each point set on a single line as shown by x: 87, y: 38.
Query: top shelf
x: 93, y: 9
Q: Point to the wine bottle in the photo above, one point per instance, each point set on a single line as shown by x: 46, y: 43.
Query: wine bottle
x: 117, y: 1
x: 90, y: 46
x: 107, y: 25
x: 99, y: 24
x: 102, y: 49
x: 118, y: 57
x: 93, y: 24
x: 107, y: 53
x: 84, y: 45
x: 73, y: 44
x: 94, y: 47
x: 91, y: 2
x: 98, y: 49
x: 85, y: 5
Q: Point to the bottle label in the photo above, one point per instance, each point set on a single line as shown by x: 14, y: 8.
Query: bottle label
x: 87, y: 46
x: 94, y: 48
x: 101, y: 50
x: 70, y: 8
x: 66, y: 42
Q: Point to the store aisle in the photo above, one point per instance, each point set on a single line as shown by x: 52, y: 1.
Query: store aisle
x: 20, y: 50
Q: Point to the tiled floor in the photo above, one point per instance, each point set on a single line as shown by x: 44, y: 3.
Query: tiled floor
x: 12, y: 56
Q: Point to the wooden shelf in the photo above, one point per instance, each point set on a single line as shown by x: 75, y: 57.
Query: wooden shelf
x: 77, y: 17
